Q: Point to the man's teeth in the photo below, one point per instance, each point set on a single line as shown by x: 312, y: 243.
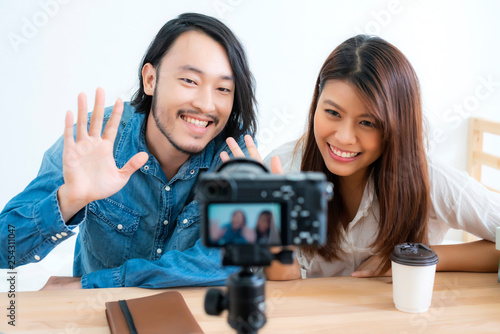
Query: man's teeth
x: 343, y: 154
x: 198, y: 123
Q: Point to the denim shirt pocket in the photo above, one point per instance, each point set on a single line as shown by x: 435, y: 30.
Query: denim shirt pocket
x: 188, y: 227
x: 108, y: 232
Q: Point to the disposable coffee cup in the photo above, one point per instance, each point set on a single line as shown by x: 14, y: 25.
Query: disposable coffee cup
x: 413, y: 272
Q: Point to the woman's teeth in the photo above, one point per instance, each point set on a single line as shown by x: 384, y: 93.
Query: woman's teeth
x: 198, y: 123
x: 343, y: 154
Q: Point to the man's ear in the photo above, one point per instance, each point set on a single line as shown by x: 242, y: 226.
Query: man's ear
x: 149, y: 78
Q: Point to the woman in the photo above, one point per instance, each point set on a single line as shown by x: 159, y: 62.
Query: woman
x: 365, y: 133
x: 265, y: 229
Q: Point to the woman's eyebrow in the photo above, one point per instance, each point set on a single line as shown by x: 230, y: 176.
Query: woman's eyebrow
x: 333, y: 104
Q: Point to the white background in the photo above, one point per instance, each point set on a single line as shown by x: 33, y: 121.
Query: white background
x: 53, y: 49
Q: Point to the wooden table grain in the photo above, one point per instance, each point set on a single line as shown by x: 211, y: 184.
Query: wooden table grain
x: 461, y: 303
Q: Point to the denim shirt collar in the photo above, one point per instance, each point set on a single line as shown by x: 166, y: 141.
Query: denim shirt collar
x: 133, y: 140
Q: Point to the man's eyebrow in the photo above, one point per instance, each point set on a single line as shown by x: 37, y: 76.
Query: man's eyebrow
x: 197, y: 70
x: 191, y: 68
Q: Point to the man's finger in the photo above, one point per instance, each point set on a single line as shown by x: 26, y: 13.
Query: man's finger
x: 97, y: 115
x: 68, y: 130
x: 81, y: 122
x: 136, y: 162
x: 114, y: 121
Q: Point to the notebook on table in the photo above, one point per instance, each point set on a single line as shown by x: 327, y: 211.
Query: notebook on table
x: 165, y: 312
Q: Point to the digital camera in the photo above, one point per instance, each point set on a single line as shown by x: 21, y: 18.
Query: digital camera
x: 242, y: 203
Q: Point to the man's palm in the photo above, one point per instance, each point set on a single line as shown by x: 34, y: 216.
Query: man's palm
x: 89, y: 169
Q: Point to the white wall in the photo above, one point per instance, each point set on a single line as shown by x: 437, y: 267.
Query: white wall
x: 50, y: 53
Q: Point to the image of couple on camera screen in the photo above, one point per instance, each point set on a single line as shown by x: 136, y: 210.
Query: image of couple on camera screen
x: 249, y: 223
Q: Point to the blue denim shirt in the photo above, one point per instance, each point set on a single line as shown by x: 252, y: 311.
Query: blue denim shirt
x: 146, y: 235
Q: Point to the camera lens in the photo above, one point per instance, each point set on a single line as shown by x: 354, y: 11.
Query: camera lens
x: 211, y: 190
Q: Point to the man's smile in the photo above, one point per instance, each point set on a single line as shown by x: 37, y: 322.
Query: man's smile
x: 197, y: 122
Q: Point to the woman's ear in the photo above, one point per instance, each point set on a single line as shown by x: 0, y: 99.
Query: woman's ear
x: 149, y: 78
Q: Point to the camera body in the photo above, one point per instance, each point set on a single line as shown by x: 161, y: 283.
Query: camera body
x: 244, y: 204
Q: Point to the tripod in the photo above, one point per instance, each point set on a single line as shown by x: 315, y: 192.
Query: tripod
x: 245, y: 296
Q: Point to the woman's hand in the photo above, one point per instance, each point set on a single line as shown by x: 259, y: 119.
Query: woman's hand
x: 282, y: 272
x: 370, y: 268
x: 252, y: 151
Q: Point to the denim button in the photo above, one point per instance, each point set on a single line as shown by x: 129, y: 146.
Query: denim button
x: 64, y: 234
x: 37, y: 257
x: 120, y: 226
x: 58, y: 236
x: 165, y: 222
x: 167, y: 188
x: 146, y: 167
x: 185, y: 221
x: 53, y: 238
x: 159, y: 250
x: 192, y: 171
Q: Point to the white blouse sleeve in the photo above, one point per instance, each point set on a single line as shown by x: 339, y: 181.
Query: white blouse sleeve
x: 462, y: 202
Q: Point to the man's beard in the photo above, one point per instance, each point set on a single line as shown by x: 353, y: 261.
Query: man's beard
x: 167, y: 134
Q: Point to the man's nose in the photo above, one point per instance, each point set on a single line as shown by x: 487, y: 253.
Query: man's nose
x: 204, y: 100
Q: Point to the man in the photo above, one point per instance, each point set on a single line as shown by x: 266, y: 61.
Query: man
x: 130, y: 187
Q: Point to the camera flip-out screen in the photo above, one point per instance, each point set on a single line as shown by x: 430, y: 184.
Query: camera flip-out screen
x: 244, y: 223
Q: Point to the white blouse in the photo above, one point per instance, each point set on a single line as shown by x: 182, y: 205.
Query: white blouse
x: 457, y: 201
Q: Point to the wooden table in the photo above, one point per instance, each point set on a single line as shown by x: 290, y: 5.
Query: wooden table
x: 462, y: 302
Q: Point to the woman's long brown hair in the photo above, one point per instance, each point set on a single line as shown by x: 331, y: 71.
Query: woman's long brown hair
x: 389, y: 87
